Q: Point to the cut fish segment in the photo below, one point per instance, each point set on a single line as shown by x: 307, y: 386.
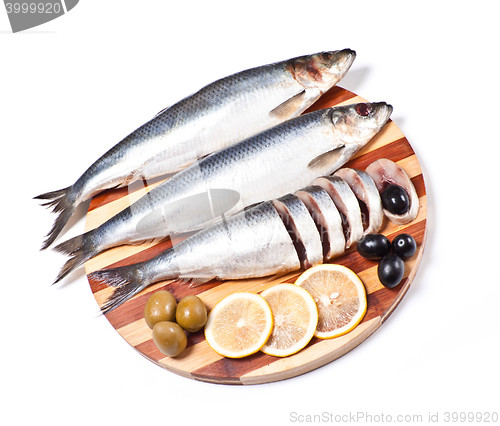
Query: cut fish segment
x: 347, y: 205
x: 366, y: 192
x: 327, y: 218
x: 385, y: 172
x: 302, y: 229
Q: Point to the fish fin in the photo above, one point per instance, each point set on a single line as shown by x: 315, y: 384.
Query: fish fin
x: 193, y: 282
x: 52, y: 194
x: 125, y: 281
x: 152, y: 240
x: 161, y: 112
x: 323, y: 160
x: 62, y: 202
x: 289, y: 108
x: 79, y: 248
x: 297, y: 104
x: 134, y: 178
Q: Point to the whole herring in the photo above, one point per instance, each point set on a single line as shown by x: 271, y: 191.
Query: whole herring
x: 219, y: 115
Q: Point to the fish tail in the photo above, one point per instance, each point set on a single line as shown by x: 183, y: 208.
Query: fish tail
x: 62, y: 202
x: 131, y: 279
x: 80, y: 249
x: 125, y: 279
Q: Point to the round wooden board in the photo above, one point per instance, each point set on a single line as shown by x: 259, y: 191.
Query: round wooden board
x: 199, y: 361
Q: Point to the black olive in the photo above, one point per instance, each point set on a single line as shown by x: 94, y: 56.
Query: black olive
x: 373, y: 246
x: 404, y: 246
x: 395, y: 200
x: 391, y: 270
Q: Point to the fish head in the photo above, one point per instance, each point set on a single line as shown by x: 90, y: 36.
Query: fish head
x: 322, y: 70
x: 356, y: 124
x: 353, y: 127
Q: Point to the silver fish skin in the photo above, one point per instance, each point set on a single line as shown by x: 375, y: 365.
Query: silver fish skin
x: 224, y: 112
x: 249, y: 244
x: 273, y: 163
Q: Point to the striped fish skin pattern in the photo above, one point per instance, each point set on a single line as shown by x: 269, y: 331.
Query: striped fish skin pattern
x: 273, y: 163
x: 200, y: 362
x: 224, y: 112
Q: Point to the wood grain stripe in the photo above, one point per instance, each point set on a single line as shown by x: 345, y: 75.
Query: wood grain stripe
x: 321, y: 353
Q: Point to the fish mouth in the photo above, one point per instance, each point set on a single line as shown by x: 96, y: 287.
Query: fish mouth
x: 382, y: 112
x: 343, y: 60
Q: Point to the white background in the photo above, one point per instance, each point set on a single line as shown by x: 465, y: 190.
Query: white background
x: 72, y: 88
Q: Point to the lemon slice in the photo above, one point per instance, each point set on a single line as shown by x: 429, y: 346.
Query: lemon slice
x: 239, y: 325
x: 340, y: 296
x: 295, y: 317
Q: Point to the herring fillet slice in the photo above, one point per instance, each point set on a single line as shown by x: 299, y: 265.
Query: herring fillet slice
x: 346, y: 203
x: 327, y: 218
x: 219, y: 115
x: 385, y: 172
x: 365, y: 190
x: 301, y: 226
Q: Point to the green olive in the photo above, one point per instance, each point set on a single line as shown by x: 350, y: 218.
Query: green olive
x: 169, y: 338
x: 160, y: 307
x: 191, y: 313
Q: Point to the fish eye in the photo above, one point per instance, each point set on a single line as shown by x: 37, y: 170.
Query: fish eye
x: 363, y: 109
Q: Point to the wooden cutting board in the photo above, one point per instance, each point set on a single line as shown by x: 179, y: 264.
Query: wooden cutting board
x: 199, y: 361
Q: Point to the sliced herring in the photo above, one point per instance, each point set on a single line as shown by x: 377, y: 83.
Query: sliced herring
x: 327, y: 218
x: 385, y: 172
x: 346, y: 203
x: 302, y: 229
x: 366, y: 192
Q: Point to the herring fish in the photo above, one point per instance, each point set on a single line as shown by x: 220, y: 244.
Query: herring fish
x: 220, y: 114
x: 269, y: 165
